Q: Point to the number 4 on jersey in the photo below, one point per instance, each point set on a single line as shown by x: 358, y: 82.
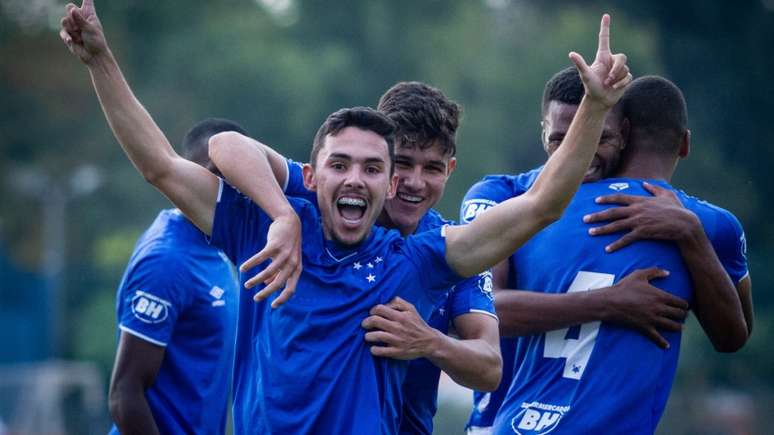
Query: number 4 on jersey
x: 577, y: 351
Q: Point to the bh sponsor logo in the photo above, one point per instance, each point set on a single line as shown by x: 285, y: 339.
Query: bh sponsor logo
x: 474, y: 207
x: 537, y: 418
x: 149, y: 308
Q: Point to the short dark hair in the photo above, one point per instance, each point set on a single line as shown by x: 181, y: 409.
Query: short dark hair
x: 657, y: 113
x: 423, y: 116
x: 196, y: 141
x: 564, y: 87
x: 364, y: 118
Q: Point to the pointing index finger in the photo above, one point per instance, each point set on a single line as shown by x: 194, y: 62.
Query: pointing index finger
x: 604, y: 35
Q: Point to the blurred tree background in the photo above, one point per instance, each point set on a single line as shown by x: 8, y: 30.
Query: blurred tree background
x: 73, y: 206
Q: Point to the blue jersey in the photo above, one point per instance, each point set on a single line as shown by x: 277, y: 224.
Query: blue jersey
x: 598, y: 377
x: 485, y: 194
x: 305, y: 368
x: 419, y: 390
x: 180, y: 293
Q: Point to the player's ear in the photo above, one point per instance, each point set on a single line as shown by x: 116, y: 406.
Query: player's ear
x: 393, y: 187
x: 310, y: 182
x: 451, y: 166
x: 626, y: 128
x: 685, y: 144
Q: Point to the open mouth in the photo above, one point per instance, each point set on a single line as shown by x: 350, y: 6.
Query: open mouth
x: 411, y: 199
x: 352, y: 209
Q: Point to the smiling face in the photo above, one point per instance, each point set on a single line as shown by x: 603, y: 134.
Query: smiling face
x: 422, y: 176
x: 557, y: 121
x: 352, y: 180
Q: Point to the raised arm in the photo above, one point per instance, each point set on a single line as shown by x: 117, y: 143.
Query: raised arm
x: 723, y: 308
x: 501, y: 230
x: 189, y: 186
x: 257, y: 171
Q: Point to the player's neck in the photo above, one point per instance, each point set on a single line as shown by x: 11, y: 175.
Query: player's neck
x: 384, y: 220
x: 646, y: 166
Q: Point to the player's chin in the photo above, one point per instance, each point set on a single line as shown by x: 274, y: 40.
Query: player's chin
x: 351, y: 233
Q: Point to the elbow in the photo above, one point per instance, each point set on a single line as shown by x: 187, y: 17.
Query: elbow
x: 491, y: 377
x: 217, y: 144
x: 732, y: 342
x: 117, y: 402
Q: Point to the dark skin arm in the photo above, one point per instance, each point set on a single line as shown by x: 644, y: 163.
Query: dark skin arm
x: 632, y: 302
x: 473, y: 360
x: 136, y: 366
x: 723, y: 308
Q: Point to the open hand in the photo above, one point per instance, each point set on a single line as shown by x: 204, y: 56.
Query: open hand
x: 607, y: 77
x: 658, y: 217
x: 639, y: 305
x: 283, y: 248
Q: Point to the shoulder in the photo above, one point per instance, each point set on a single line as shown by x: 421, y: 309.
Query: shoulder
x: 494, y: 189
x: 432, y: 219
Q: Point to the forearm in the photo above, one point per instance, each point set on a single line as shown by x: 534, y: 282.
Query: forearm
x: 247, y: 165
x: 524, y: 312
x: 130, y: 411
x: 139, y: 136
x: 716, y: 300
x: 495, y: 234
x: 472, y: 363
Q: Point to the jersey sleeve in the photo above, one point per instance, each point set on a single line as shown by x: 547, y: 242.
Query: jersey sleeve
x: 294, y: 183
x: 482, y: 196
x: 238, y: 223
x: 731, y: 245
x: 151, y: 298
x: 427, y: 251
x: 473, y: 295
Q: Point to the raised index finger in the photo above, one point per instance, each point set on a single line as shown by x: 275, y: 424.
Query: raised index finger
x: 604, y: 35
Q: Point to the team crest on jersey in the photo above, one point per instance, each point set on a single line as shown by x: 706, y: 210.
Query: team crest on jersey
x: 485, y: 284
x: 148, y: 308
x: 537, y: 418
x: 474, y: 207
x: 619, y: 186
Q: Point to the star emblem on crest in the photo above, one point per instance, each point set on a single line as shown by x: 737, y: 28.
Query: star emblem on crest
x: 371, y: 277
x: 370, y: 265
x: 357, y: 265
x: 378, y: 260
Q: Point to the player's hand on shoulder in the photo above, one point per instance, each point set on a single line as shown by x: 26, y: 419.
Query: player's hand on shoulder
x: 82, y: 31
x: 637, y: 304
x: 283, y: 248
x: 397, y: 331
x: 606, y: 78
x: 658, y: 217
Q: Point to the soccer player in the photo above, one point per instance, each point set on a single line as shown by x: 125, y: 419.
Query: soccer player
x: 304, y: 367
x: 597, y: 377
x: 176, y: 309
x: 426, y: 122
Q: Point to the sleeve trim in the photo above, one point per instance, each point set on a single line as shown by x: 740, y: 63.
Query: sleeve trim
x: 220, y: 189
x: 746, y: 275
x: 142, y: 336
x: 473, y: 310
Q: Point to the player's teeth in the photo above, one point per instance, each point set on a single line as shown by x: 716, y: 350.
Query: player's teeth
x: 357, y: 202
x: 410, y: 198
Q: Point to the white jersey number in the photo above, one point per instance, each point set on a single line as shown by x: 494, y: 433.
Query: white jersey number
x: 577, y: 351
